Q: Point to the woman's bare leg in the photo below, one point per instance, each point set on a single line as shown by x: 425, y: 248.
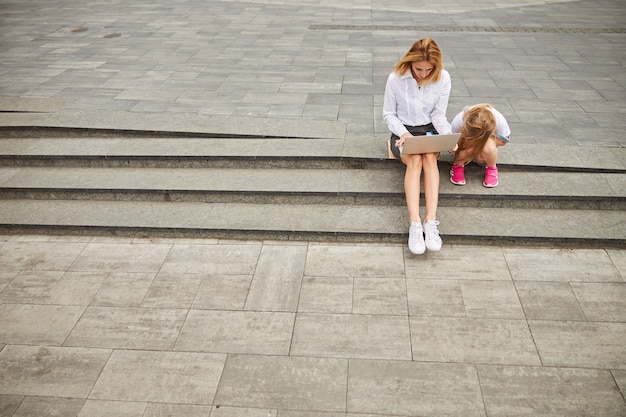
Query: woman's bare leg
x: 431, y: 184
x: 412, y: 185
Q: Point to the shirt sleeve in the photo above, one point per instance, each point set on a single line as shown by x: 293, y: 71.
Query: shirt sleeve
x: 439, y: 114
x: 457, y: 123
x: 390, y: 112
x: 502, y: 126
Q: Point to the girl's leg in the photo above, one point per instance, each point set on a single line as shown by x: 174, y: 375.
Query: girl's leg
x: 489, y: 154
x: 462, y: 159
x: 457, y: 171
x: 412, y: 185
x: 489, y: 157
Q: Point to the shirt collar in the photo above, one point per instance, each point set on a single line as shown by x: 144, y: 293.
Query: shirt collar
x: 406, y: 75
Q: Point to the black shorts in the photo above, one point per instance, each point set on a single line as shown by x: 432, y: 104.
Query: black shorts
x: 415, y: 131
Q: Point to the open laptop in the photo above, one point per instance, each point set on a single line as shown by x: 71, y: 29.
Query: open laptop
x: 429, y: 143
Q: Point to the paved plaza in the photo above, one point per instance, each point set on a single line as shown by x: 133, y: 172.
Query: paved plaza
x: 99, y: 326
x: 140, y: 327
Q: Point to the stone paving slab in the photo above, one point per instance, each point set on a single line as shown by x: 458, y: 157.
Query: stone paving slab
x: 284, y: 382
x: 580, y: 343
x: 465, y: 298
x: 50, y: 371
x: 276, y: 282
x: 370, y: 336
x: 134, y: 375
x: 38, y: 324
x: 373, y: 388
x: 562, y: 265
x: 127, y: 328
x: 462, y: 340
x: 257, y: 332
x: 521, y: 384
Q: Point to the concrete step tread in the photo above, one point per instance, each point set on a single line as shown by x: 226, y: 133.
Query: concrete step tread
x: 518, y: 154
x: 75, y: 121
x: 171, y: 146
x: 306, y: 181
x: 272, y: 219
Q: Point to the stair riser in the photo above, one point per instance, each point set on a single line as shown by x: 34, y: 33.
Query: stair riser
x: 179, y: 161
x: 388, y: 238
x: 259, y: 162
x: 371, y: 199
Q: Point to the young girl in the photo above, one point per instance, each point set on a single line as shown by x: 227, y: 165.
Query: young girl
x: 482, y: 129
x: 415, y: 103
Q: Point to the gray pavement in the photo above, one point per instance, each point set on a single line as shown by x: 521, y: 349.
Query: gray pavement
x: 96, y: 326
x: 157, y: 327
x: 554, y: 68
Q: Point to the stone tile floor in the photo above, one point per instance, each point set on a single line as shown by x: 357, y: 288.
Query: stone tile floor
x: 99, y: 326
x: 94, y: 327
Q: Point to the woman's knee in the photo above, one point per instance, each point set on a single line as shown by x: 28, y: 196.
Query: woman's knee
x: 412, y: 161
x: 429, y: 159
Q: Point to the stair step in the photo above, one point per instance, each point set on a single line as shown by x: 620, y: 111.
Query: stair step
x: 519, y: 189
x: 298, y: 188
x: 286, y: 152
x: 306, y: 222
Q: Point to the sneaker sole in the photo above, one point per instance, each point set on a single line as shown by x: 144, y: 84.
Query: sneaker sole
x: 491, y: 185
x: 417, y: 253
x: 457, y: 183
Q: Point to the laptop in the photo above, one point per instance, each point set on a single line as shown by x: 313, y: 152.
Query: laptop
x: 429, y: 143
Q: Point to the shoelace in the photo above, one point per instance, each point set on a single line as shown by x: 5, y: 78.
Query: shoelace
x: 416, y: 229
x: 431, y: 227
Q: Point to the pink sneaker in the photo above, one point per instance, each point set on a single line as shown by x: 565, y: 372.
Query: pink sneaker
x: 457, y: 174
x: 491, y: 177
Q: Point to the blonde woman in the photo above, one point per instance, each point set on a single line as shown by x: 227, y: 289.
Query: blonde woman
x: 415, y: 103
x: 483, y: 129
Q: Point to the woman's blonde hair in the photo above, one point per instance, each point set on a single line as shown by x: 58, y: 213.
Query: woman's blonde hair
x: 423, y: 50
x: 479, y: 124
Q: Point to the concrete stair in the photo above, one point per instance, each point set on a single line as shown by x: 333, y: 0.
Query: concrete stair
x: 149, y: 184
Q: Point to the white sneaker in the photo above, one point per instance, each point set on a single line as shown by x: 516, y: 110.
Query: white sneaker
x: 416, y: 238
x: 432, y: 239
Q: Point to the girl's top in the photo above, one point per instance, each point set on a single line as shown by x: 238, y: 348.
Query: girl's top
x: 502, y: 127
x: 407, y: 104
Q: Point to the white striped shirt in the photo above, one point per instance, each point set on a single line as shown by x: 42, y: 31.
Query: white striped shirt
x: 407, y: 104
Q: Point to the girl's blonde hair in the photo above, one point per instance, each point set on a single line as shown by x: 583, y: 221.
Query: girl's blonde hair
x: 479, y: 124
x: 423, y: 50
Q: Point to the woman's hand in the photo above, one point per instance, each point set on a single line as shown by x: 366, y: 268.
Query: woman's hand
x: 400, y: 142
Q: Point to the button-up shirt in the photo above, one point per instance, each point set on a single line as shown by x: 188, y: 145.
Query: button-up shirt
x: 406, y: 103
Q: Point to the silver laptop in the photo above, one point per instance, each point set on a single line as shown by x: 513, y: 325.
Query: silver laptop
x: 429, y: 143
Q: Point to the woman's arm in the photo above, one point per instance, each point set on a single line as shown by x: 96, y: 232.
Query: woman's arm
x: 439, y: 114
x: 390, y: 103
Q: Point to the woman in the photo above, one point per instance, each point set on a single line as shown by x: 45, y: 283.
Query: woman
x: 483, y: 129
x: 415, y: 103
